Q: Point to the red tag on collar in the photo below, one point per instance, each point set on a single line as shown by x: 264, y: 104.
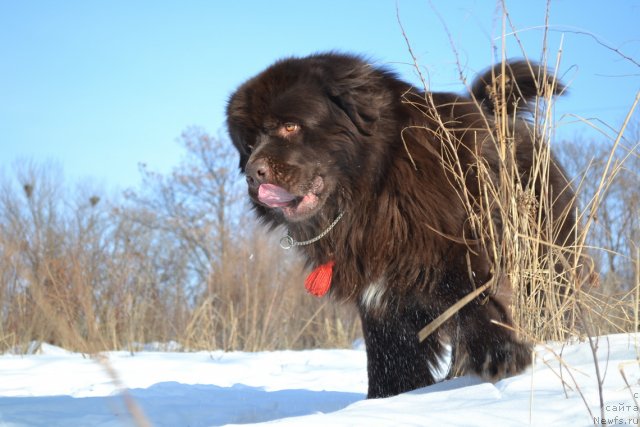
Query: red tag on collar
x: 319, y: 280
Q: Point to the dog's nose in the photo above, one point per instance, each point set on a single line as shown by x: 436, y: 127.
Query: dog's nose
x: 258, y: 172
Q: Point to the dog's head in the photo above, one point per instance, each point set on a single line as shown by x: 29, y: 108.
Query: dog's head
x: 301, y: 128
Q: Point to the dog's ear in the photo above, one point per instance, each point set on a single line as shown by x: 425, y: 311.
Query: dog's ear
x: 354, y: 104
x: 356, y: 93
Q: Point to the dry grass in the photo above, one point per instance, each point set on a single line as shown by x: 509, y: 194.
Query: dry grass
x: 586, y: 297
x: 548, y: 304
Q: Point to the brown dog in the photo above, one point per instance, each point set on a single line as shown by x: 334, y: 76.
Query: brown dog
x: 349, y: 158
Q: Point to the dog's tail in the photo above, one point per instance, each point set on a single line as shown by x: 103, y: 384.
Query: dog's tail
x: 515, y: 86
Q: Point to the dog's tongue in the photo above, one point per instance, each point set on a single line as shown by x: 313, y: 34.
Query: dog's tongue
x: 274, y: 196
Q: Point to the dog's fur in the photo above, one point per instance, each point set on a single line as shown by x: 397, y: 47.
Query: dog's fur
x: 341, y: 135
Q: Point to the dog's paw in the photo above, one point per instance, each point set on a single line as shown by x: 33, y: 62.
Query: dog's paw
x: 503, y: 360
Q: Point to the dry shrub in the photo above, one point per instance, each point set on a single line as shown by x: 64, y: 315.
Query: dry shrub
x: 558, y: 291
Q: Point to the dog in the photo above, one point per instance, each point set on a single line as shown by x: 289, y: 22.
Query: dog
x: 352, y: 160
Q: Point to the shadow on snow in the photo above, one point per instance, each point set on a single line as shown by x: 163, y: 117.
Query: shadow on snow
x: 174, y: 404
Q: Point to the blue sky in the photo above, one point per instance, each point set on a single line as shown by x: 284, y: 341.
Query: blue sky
x: 101, y: 86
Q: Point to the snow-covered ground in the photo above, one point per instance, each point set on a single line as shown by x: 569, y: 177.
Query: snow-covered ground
x: 307, y: 388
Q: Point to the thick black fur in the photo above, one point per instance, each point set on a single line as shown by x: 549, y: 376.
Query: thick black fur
x: 342, y: 135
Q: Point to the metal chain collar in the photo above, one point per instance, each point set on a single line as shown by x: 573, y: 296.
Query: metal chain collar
x: 287, y: 242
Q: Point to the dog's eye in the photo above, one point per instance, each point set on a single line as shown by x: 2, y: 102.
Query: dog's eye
x: 289, y: 128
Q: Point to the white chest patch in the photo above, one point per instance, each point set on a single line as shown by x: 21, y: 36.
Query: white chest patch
x: 373, y: 296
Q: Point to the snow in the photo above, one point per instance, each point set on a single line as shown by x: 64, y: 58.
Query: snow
x: 309, y: 388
